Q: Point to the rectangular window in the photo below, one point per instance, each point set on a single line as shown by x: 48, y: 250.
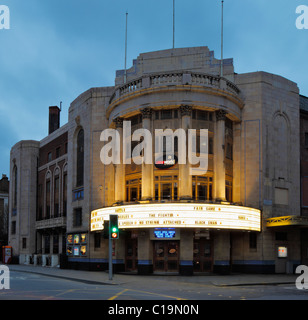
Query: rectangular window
x: 166, y: 114
x: 48, y: 200
x: 64, y: 194
x: 13, y: 227
x: 24, y: 243
x: 47, y: 244
x: 77, y: 217
x: 49, y: 157
x: 58, y: 152
x: 55, y: 246
x: 56, y: 197
x: 252, y: 240
x: 97, y: 240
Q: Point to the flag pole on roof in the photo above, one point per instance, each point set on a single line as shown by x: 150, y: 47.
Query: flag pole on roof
x: 222, y: 39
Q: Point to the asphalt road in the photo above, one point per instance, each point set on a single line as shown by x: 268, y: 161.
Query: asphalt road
x: 29, y: 286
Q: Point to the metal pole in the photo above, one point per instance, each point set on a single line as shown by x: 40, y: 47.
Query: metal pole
x: 222, y: 37
x: 125, y: 75
x: 110, y: 254
x: 173, y: 24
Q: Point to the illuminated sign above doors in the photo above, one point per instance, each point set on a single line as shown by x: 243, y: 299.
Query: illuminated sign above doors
x: 180, y: 215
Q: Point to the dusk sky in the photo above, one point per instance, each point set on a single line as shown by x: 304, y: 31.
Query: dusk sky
x: 55, y: 50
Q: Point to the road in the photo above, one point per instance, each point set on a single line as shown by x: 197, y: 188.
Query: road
x: 29, y: 286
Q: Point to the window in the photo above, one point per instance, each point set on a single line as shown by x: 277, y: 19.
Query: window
x: 229, y: 152
x: 49, y: 157
x: 166, y: 114
x: 133, y: 190
x: 56, y: 197
x: 24, y: 243
x: 47, y: 244
x: 64, y: 194
x: 166, y: 188
x: 252, y: 240
x: 80, y: 158
x: 47, y: 213
x: 228, y: 191
x: 97, y: 240
x: 77, y: 217
x: 15, y: 188
x: 55, y: 246
x: 58, y: 152
x: 13, y: 227
x: 202, y: 188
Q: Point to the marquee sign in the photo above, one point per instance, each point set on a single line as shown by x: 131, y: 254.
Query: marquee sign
x: 180, y: 215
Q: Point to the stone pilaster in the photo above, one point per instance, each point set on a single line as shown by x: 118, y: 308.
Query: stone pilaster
x: 119, y: 186
x: 147, y: 191
x: 219, y: 156
x: 185, y: 179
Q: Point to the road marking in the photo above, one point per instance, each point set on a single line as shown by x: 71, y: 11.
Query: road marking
x: 117, y: 295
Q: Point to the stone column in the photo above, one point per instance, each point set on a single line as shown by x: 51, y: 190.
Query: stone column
x: 186, y: 252
x: 145, y: 252
x: 147, y: 169
x: 119, y: 179
x: 185, y: 179
x: 219, y: 156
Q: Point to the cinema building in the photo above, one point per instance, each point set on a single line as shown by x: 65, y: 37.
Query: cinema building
x: 243, y: 214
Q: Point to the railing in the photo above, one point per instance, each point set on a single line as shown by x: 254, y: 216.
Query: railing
x: 175, y: 78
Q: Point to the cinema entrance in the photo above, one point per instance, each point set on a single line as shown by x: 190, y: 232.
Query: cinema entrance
x: 166, y: 256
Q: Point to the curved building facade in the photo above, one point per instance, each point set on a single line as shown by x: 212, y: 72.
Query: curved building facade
x: 172, y: 216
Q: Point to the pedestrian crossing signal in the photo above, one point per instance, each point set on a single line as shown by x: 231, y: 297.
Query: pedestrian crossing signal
x: 113, y: 226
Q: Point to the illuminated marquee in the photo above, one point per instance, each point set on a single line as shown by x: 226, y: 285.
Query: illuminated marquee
x: 183, y: 215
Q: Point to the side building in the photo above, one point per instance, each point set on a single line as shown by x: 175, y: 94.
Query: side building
x: 243, y: 214
x: 4, y: 212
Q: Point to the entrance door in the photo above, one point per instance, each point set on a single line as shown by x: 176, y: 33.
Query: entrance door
x: 166, y: 256
x: 131, y: 255
x: 203, y: 255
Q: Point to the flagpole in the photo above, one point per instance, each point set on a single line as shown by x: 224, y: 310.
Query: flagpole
x: 173, y: 23
x: 222, y: 36
x: 125, y: 75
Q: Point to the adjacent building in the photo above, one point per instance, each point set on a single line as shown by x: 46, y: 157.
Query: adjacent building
x: 4, y: 211
x: 245, y: 213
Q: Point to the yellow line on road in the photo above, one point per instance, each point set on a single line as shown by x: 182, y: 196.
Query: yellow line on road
x: 146, y: 292
x: 117, y: 295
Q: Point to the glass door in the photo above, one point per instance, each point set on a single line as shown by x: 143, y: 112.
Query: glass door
x: 166, y: 256
x: 203, y: 255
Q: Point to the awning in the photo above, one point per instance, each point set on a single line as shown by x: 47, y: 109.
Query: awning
x: 287, y: 221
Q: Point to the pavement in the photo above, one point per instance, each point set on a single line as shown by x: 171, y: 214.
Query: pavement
x: 102, y: 277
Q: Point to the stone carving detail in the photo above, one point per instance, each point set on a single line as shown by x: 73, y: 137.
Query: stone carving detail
x: 146, y: 113
x: 221, y: 114
x: 185, y: 110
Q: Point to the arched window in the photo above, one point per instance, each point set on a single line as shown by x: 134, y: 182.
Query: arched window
x: 15, y: 176
x: 80, y: 158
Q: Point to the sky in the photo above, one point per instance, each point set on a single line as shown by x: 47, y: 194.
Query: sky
x: 57, y: 49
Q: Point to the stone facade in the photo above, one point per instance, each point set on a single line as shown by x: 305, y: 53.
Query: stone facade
x: 253, y: 162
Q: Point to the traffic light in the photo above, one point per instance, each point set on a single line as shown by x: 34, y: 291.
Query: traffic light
x: 113, y: 226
